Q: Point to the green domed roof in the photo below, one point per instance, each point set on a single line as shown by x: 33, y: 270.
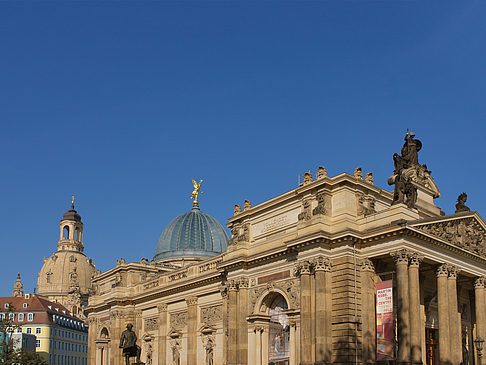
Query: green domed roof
x: 192, y: 234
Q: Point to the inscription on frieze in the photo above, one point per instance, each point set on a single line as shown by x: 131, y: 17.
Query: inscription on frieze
x: 275, y: 223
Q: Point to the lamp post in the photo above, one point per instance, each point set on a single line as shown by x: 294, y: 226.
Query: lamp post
x: 479, y: 342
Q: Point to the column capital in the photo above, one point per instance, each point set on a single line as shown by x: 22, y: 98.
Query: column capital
x: 453, y: 271
x: 162, y: 307
x: 138, y: 313
x: 258, y: 328
x: 322, y: 263
x: 223, y: 290
x: 233, y: 285
x: 401, y: 256
x: 415, y: 259
x: 443, y: 270
x: 191, y: 300
x: 480, y: 282
x: 303, y: 268
x: 367, y: 265
x: 243, y: 282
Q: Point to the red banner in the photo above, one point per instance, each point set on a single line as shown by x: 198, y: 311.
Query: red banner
x: 384, y: 321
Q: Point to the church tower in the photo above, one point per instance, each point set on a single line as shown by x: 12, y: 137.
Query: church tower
x: 18, y: 288
x: 66, y: 275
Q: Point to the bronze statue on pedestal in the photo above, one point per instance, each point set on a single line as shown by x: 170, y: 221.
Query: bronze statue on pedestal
x: 128, y: 342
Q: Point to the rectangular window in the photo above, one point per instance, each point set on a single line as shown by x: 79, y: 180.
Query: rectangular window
x: 30, y: 317
x: 37, y: 331
x: 37, y: 343
x: 6, y: 305
x: 2, y: 315
x: 29, y: 330
x: 11, y: 316
x: 19, y: 330
x: 21, y: 317
x: 24, y: 305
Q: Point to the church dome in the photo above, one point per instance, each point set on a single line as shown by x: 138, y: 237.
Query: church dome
x: 192, y: 235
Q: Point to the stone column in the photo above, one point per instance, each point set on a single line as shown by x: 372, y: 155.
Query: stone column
x: 403, y: 298
x: 242, y: 323
x: 304, y: 269
x: 479, y: 286
x: 415, y: 318
x: 368, y: 311
x: 323, y: 320
x: 232, y: 323
x: 162, y: 334
x: 191, y: 330
x: 443, y: 304
x: 455, y: 334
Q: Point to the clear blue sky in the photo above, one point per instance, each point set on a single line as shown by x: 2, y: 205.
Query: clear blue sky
x: 123, y: 103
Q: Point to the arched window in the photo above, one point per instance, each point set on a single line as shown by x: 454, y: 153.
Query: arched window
x: 77, y: 234
x: 104, y: 333
x: 65, y: 232
x: 279, y: 332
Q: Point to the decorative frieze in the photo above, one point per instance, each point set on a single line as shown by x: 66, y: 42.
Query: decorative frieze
x: 178, y: 320
x: 465, y: 233
x: 321, y: 205
x: 212, y: 314
x: 152, y: 284
x: 365, y: 204
x: 151, y: 324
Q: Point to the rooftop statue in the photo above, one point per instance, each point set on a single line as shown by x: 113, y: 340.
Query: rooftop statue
x: 461, y: 203
x: 409, y: 173
x: 128, y: 342
x: 196, y: 192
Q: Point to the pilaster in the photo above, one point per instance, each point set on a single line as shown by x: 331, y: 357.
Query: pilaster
x: 368, y: 311
x: 304, y: 270
x: 191, y: 330
x: 242, y: 323
x: 162, y: 333
x: 323, y: 310
x: 232, y: 322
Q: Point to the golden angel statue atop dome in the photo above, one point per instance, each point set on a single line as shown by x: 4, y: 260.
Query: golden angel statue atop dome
x: 196, y: 192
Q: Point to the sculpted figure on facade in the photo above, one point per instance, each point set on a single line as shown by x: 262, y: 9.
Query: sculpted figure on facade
x: 128, y: 342
x: 321, y: 204
x: 305, y: 214
x: 307, y: 178
x: 369, y: 178
x: 237, y: 209
x: 209, y: 349
x: 358, y: 173
x: 176, y: 352
x: 461, y: 203
x: 246, y: 205
x: 321, y: 172
x: 149, y: 354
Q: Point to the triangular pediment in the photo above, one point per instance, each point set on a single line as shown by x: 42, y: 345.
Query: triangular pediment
x: 465, y: 230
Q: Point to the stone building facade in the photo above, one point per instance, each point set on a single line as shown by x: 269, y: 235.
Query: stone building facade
x: 297, y: 282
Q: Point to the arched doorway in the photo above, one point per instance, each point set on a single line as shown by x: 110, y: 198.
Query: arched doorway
x: 278, y: 333
x: 103, y: 348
